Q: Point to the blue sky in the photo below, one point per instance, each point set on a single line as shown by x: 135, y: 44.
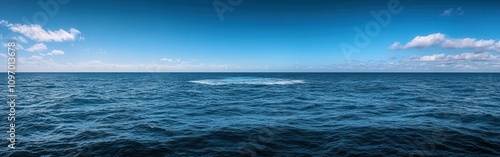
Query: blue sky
x: 253, y: 35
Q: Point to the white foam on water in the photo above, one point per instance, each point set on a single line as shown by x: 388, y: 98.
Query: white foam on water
x: 247, y: 81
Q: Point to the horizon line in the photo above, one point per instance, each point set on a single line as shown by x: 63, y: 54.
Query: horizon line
x: 257, y: 72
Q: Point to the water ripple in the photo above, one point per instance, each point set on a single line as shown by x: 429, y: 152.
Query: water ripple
x: 253, y: 114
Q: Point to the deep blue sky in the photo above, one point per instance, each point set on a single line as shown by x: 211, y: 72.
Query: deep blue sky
x: 257, y: 35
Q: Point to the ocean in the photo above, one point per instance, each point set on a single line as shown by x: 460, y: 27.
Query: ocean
x: 254, y: 114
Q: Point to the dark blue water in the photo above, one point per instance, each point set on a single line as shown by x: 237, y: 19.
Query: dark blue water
x: 255, y: 114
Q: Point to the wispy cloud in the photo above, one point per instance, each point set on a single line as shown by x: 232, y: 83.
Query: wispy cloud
x: 37, y: 33
x: 170, y: 60
x: 452, y: 12
x: 443, y: 41
x: 464, y: 56
x: 35, y: 57
x: 447, y: 12
x: 40, y: 64
x: 37, y: 47
x: 436, y: 62
x: 55, y: 52
x: 20, y: 39
x: 101, y: 51
x: 428, y: 63
x: 18, y: 46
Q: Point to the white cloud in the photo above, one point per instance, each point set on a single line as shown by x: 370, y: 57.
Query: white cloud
x: 434, y: 57
x: 473, y: 56
x: 400, y: 65
x: 3, y: 55
x: 56, y: 52
x: 21, y: 39
x: 3, y: 22
x: 395, y: 46
x: 438, y: 39
x: 170, y: 60
x: 447, y: 12
x: 464, y: 56
x: 18, y: 46
x: 471, y: 43
x: 164, y: 59
x: 35, y: 57
x: 96, y: 62
x: 37, y: 47
x: 421, y: 42
x: 37, y: 33
x: 425, y: 41
x: 452, y: 12
x: 41, y: 64
x: 464, y: 62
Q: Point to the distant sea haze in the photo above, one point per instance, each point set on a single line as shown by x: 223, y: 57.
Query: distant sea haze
x: 256, y: 114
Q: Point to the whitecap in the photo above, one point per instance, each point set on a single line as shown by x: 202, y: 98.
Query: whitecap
x: 247, y: 81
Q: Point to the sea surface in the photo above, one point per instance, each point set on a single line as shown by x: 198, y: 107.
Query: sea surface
x: 254, y: 114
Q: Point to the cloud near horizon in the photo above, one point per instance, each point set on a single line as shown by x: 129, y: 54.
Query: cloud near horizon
x: 479, y: 58
x: 445, y: 42
x: 464, y: 56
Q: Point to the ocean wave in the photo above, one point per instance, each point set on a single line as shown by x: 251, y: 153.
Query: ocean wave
x: 268, y: 114
x: 247, y: 81
x: 275, y: 140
